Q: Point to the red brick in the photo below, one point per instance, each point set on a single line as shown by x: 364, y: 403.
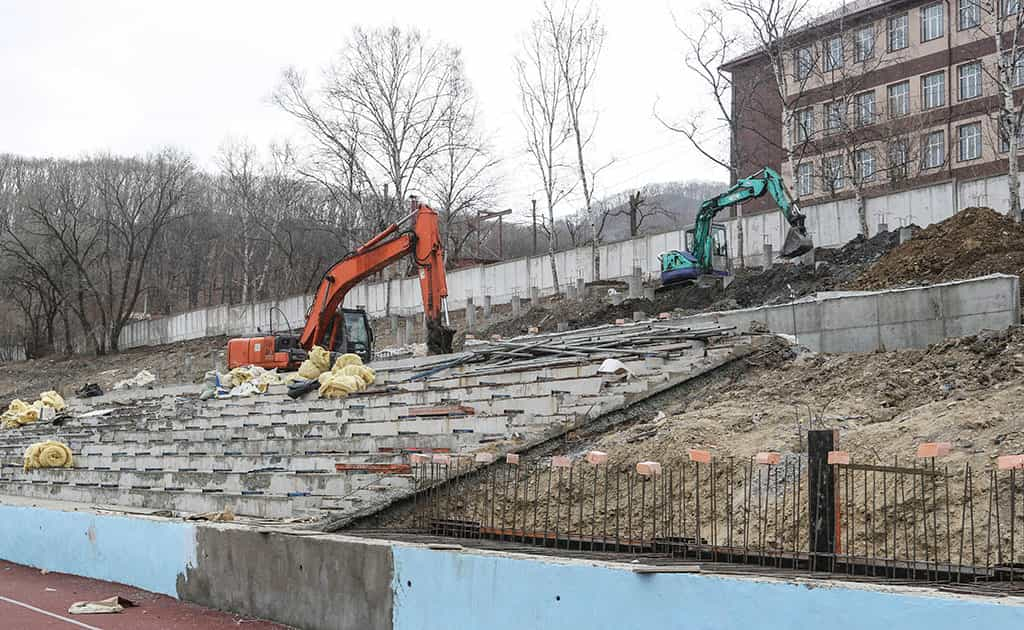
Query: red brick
x: 699, y: 456
x: 839, y: 457
x: 934, y: 449
x: 649, y: 469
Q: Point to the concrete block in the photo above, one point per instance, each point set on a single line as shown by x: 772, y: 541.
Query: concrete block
x: 896, y: 307
x: 512, y: 459
x: 639, y: 316
x: 561, y: 461
x: 766, y: 458
x: 597, y: 457
x: 911, y: 334
x: 779, y: 319
x: 849, y: 312
x: 929, y: 450
x: 1010, y: 462
x: 973, y: 324
x: 484, y: 458
x: 839, y: 457
x: 699, y: 456
x: 864, y: 339
x: 990, y: 295
x: 807, y: 317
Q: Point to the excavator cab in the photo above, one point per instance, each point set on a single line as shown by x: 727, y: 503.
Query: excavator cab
x: 350, y: 333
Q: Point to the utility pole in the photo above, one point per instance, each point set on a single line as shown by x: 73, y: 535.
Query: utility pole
x: 534, y: 202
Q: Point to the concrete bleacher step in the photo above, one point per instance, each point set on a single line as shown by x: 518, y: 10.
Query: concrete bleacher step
x: 282, y: 483
x: 187, y: 501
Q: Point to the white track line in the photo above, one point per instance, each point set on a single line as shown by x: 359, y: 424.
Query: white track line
x: 46, y: 612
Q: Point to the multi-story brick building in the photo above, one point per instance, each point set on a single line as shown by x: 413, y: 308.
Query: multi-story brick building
x: 893, y: 108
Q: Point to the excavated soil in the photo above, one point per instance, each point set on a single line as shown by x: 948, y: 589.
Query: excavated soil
x: 973, y: 242
x: 750, y: 287
x: 966, y: 391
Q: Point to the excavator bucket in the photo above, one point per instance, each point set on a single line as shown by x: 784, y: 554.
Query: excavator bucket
x: 798, y: 242
x: 439, y: 338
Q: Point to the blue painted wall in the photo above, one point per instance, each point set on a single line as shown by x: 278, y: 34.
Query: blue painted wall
x: 461, y: 590
x: 145, y: 553
x: 468, y: 591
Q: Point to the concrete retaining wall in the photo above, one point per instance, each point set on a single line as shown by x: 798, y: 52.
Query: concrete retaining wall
x: 886, y: 320
x: 339, y: 582
x: 830, y: 224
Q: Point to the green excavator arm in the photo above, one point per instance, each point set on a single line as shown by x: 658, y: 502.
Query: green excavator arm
x: 765, y: 181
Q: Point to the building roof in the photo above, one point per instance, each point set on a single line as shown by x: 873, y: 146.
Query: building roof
x: 848, y: 9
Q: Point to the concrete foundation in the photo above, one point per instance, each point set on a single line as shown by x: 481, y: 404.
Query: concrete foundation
x: 330, y: 581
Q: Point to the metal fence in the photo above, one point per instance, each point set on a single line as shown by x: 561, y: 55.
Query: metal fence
x: 916, y: 519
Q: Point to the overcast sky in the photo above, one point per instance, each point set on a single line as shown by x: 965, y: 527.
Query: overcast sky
x: 129, y: 76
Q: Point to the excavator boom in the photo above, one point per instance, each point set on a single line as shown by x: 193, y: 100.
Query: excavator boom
x: 327, y: 327
x: 687, y: 266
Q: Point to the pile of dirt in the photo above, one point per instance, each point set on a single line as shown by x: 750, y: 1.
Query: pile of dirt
x: 183, y: 362
x: 751, y: 286
x: 971, y: 243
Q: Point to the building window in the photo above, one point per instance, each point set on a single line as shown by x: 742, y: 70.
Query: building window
x: 970, y: 141
x: 833, y: 173
x: 833, y: 54
x: 804, y: 124
x: 803, y: 62
x: 933, y: 150
x: 865, y: 160
x: 970, y: 80
x: 969, y: 12
x: 899, y: 99
x: 805, y: 179
x: 1004, y: 138
x: 864, y: 44
x: 1016, y: 68
x: 899, y: 32
x: 899, y: 159
x: 931, y: 22
x: 865, y: 112
x: 834, y: 116
x: 933, y: 90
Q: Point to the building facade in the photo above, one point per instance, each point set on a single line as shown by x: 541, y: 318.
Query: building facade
x: 891, y: 116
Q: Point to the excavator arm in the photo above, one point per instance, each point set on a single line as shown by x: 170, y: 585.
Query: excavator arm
x: 324, y: 323
x: 765, y: 181
x: 423, y: 241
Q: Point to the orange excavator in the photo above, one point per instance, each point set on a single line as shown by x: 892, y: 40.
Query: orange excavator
x: 342, y: 330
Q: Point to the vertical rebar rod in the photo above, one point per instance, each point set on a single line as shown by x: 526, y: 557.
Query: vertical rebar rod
x: 714, y: 513
x: 696, y: 488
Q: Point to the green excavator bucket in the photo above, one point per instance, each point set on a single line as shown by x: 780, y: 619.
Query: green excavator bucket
x: 798, y: 243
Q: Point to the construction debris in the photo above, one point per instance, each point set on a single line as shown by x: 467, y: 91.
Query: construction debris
x: 20, y: 413
x: 144, y: 378
x: 974, y: 242
x: 113, y: 604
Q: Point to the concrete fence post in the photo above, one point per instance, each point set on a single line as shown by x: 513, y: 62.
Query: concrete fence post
x: 534, y: 296
x: 516, y: 306
x: 487, y: 307
x: 410, y: 330
x: 470, y: 314
x: 769, y: 255
x: 581, y: 288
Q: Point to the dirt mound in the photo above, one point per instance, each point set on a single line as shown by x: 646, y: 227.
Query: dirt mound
x: 971, y: 243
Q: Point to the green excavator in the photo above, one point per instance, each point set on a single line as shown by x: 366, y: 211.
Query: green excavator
x: 706, y: 241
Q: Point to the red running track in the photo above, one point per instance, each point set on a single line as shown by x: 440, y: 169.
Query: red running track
x: 31, y: 600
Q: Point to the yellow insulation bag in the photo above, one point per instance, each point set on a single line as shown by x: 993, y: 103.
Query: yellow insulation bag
x: 334, y: 385
x: 48, y: 454
x: 18, y: 413
x: 53, y: 400
x: 365, y: 374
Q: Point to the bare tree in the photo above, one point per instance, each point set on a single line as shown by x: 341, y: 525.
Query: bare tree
x: 544, y: 119
x: 461, y: 179
x: 710, y: 44
x: 1003, y: 22
x: 577, y: 37
x: 771, y: 25
x: 380, y: 111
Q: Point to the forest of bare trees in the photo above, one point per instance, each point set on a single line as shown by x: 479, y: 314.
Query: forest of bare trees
x: 90, y: 244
